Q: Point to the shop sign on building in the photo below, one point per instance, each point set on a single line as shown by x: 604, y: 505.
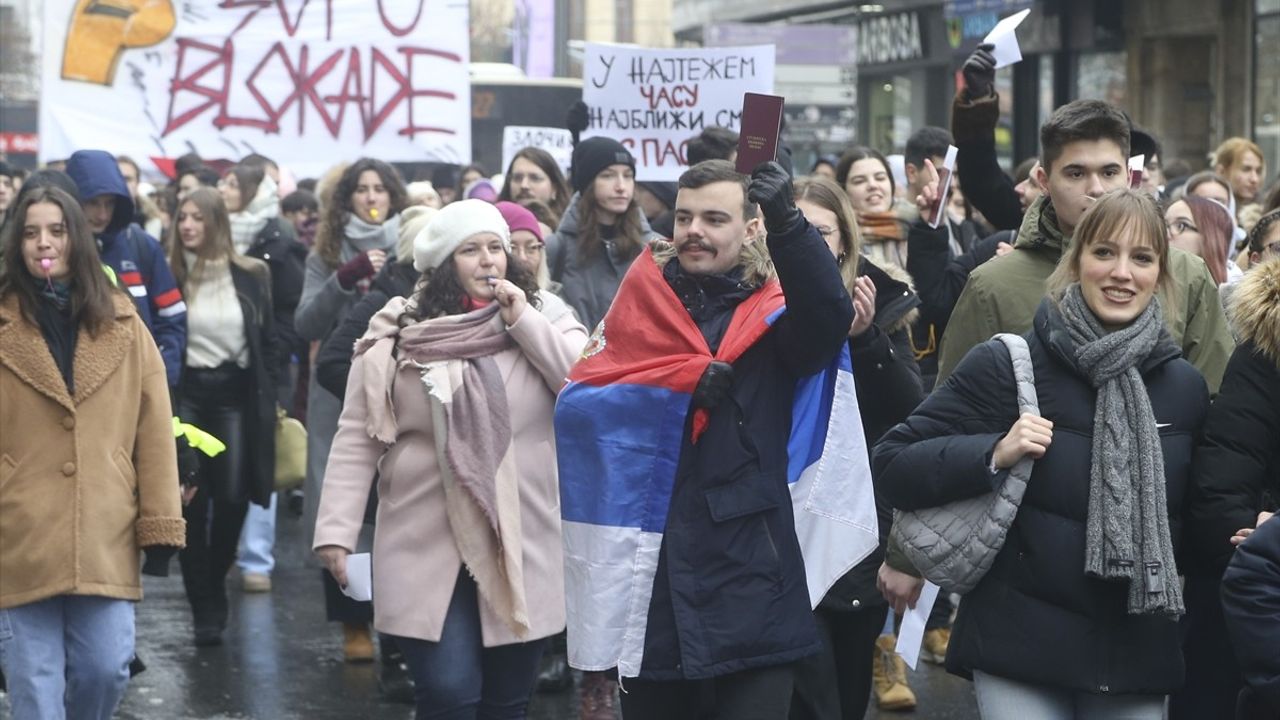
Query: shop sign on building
x: 889, y: 39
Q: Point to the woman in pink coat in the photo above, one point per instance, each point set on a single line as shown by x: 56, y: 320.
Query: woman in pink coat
x: 449, y: 404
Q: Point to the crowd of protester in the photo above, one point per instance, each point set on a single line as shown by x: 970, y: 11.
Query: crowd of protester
x: 153, y: 335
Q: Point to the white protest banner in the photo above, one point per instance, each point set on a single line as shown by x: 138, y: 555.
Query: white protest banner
x: 307, y: 84
x: 557, y: 141
x: 653, y: 101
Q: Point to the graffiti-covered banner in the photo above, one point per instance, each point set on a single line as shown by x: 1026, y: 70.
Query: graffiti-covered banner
x: 653, y: 101
x: 305, y: 82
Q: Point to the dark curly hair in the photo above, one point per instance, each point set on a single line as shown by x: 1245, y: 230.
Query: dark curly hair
x: 332, y: 229
x: 440, y: 292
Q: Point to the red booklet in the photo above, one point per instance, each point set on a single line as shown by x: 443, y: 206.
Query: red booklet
x: 758, y: 135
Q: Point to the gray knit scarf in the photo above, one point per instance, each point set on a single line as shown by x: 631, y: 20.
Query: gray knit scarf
x: 1127, y: 533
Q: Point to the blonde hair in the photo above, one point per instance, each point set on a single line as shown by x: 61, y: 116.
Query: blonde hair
x: 826, y: 194
x: 1231, y: 153
x: 1116, y: 213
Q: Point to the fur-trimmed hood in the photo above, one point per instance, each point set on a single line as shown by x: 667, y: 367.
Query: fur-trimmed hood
x: 757, y: 268
x: 1255, y: 309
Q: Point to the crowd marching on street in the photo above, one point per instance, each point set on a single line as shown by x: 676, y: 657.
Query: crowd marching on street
x: 691, y: 449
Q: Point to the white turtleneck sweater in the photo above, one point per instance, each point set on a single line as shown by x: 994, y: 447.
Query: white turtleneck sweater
x: 215, y: 323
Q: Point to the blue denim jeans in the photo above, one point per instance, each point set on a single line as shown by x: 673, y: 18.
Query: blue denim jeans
x: 460, y: 679
x: 1003, y: 699
x: 67, y: 657
x: 258, y: 539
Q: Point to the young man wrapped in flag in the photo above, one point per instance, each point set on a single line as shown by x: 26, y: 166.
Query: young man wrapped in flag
x: 713, y: 470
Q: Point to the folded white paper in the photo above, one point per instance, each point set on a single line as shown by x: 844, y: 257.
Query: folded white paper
x: 911, y: 632
x: 359, y: 577
x: 1005, y: 39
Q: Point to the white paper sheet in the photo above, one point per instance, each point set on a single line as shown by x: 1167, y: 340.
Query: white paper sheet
x: 359, y: 577
x: 1005, y: 39
x: 911, y: 632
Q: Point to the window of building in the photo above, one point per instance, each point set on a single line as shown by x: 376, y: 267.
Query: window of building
x: 1266, y: 95
x: 1101, y: 76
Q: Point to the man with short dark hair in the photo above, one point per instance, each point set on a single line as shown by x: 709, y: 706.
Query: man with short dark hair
x: 927, y: 143
x: 714, y: 143
x: 1084, y: 154
x: 685, y: 570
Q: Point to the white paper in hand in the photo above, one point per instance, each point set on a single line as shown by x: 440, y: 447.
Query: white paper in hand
x: 1005, y: 39
x: 911, y: 632
x: 359, y: 577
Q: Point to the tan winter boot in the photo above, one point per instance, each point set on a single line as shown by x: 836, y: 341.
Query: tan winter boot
x: 357, y: 643
x: 889, y: 677
x: 936, y: 642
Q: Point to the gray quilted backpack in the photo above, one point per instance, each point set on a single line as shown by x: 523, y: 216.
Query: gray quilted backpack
x: 954, y: 545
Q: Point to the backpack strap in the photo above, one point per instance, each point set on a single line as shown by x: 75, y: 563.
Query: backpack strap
x: 1023, y: 372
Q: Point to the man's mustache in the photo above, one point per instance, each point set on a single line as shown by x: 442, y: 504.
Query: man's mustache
x: 688, y: 245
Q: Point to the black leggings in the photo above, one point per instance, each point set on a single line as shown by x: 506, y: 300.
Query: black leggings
x: 836, y: 683
x: 213, y: 401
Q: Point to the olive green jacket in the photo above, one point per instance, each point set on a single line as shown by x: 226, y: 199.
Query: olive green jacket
x: 1002, y: 296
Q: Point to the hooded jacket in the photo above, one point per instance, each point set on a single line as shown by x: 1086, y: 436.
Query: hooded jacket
x: 136, y: 257
x: 589, y: 284
x: 1239, y: 457
x: 1002, y: 295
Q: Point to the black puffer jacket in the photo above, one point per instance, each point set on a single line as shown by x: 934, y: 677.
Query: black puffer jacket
x: 333, y: 362
x: 1251, y: 602
x: 887, y: 381
x: 1035, y: 617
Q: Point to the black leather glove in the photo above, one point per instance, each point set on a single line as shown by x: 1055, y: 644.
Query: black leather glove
x: 577, y: 119
x: 714, y: 385
x: 980, y: 72
x: 157, y: 560
x: 188, y: 462
x: 771, y: 189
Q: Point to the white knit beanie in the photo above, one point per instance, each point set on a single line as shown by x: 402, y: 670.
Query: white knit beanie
x: 452, y: 226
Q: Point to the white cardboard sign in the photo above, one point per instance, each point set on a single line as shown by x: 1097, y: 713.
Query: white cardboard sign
x: 653, y: 101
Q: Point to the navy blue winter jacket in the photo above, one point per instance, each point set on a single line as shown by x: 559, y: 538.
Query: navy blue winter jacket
x: 136, y: 257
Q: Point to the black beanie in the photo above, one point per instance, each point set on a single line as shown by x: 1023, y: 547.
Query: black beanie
x: 595, y: 154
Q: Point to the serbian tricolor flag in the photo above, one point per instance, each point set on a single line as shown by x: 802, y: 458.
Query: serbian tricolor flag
x: 618, y: 427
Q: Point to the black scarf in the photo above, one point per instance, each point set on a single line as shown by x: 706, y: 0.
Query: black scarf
x: 710, y: 299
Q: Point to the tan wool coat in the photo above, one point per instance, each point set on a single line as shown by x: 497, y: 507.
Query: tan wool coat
x: 415, y: 558
x: 85, y: 481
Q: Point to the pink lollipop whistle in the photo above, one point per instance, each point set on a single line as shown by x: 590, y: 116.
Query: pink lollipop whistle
x: 45, y: 264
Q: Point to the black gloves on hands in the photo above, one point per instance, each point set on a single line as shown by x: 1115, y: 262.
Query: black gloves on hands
x: 188, y: 462
x: 771, y: 189
x: 714, y: 385
x: 980, y: 72
x: 157, y: 560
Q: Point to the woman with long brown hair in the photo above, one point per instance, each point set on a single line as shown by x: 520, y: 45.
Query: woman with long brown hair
x: 88, y: 475
x: 837, y: 682
x: 228, y: 389
x: 603, y: 231
x: 357, y: 236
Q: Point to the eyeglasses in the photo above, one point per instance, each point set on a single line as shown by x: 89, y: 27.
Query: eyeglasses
x: 1179, y: 226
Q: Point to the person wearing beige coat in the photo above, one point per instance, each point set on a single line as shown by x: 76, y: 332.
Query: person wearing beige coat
x: 449, y: 404
x: 88, y: 473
